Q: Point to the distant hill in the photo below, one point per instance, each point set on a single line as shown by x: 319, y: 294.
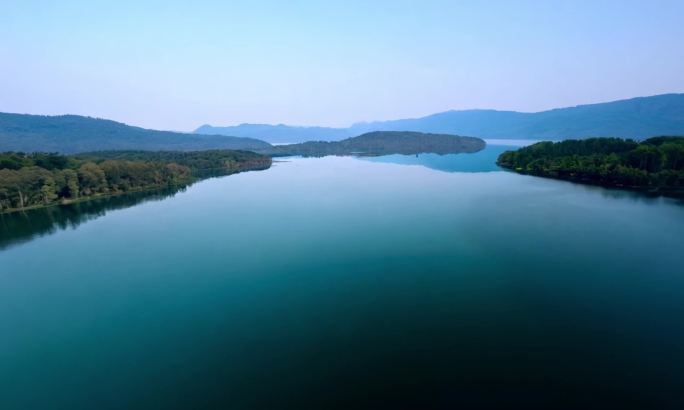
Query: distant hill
x: 70, y: 134
x: 637, y: 118
x: 279, y: 134
x: 384, y: 143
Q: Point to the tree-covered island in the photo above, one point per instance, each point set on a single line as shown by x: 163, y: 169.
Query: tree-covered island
x: 655, y: 165
x: 40, y: 179
x: 383, y: 143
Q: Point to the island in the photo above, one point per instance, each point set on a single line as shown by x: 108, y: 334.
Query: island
x: 382, y: 143
x: 655, y: 165
x: 39, y: 179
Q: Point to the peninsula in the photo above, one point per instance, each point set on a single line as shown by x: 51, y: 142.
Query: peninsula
x: 655, y: 165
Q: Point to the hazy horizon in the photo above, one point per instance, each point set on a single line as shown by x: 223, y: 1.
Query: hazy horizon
x: 172, y: 66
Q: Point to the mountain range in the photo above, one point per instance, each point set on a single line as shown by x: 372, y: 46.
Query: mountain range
x: 70, y: 134
x: 637, y: 118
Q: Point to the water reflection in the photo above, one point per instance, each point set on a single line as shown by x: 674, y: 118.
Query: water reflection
x: 482, y: 161
x: 20, y: 227
x: 351, y: 283
x: 624, y: 194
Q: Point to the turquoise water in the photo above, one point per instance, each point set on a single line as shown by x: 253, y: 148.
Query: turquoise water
x: 483, y: 161
x: 346, y: 283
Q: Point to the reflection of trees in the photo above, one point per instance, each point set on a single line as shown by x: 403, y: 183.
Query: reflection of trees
x: 19, y: 227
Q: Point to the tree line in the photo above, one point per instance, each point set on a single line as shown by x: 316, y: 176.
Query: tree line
x: 40, y: 179
x: 655, y: 164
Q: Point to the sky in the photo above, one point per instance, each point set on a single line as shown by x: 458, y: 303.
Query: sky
x: 176, y: 65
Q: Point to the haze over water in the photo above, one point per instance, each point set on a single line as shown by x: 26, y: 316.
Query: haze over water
x: 339, y: 283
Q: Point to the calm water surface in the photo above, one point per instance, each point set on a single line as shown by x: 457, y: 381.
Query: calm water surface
x: 347, y: 283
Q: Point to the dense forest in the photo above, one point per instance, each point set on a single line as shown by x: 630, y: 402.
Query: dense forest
x: 655, y: 165
x: 38, y: 179
x: 383, y: 143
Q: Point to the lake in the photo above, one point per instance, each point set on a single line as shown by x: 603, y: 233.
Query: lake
x: 388, y: 282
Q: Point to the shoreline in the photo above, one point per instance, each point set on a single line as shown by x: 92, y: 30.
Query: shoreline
x: 646, y: 190
x: 208, y: 173
x: 95, y: 197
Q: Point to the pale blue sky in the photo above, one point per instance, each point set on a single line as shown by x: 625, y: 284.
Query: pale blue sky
x: 179, y: 64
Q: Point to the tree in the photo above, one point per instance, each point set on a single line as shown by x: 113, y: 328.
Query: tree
x: 92, y: 178
x: 71, y: 182
x: 48, y: 190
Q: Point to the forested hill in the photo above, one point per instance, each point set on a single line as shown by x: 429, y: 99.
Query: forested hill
x: 70, y: 134
x: 384, y: 143
x: 655, y: 165
x: 639, y: 118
